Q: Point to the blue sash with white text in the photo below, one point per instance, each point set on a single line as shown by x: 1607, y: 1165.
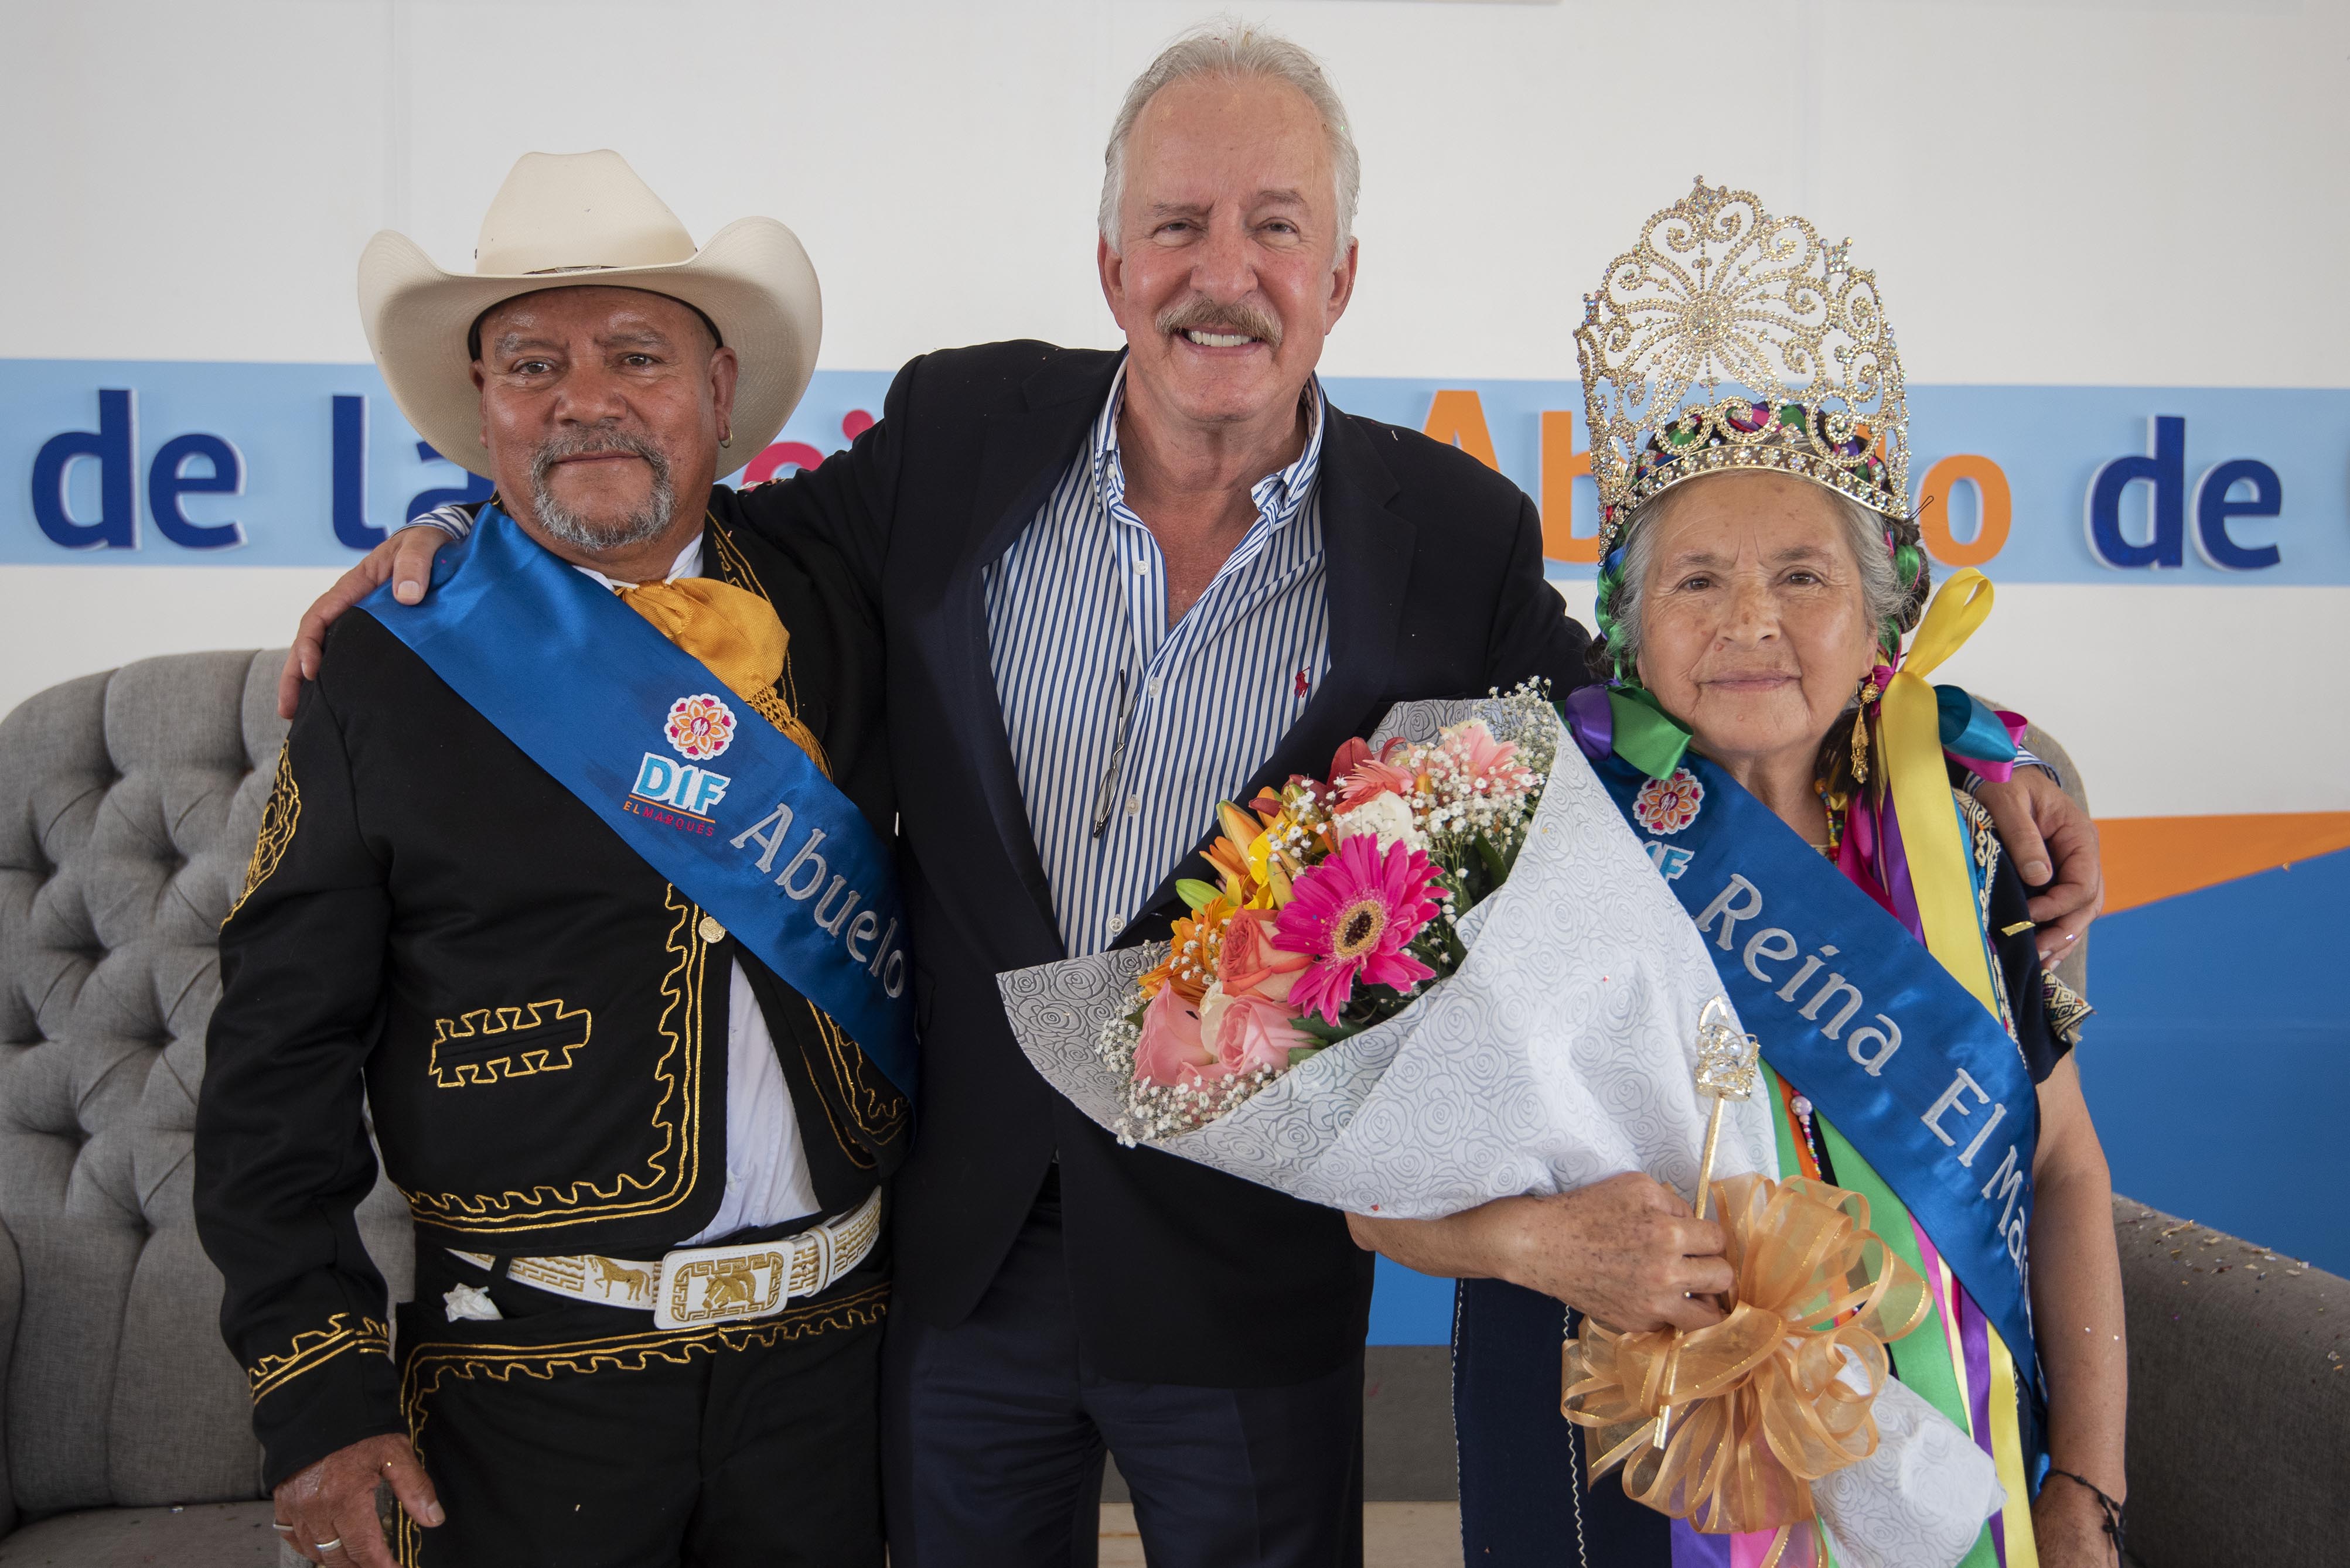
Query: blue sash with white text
x: 1903, y: 1060
x: 629, y: 723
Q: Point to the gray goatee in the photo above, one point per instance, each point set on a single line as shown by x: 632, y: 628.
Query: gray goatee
x: 648, y: 523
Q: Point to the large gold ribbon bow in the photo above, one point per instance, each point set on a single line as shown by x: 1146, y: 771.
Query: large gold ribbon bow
x: 738, y: 635
x: 1761, y: 1406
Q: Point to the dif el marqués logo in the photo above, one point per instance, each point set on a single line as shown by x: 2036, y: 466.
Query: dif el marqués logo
x: 682, y: 795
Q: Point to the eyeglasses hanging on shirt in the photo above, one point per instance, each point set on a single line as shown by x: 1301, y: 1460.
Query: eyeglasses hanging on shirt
x: 1105, y: 799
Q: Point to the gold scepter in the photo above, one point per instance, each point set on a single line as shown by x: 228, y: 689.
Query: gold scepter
x: 1726, y: 1071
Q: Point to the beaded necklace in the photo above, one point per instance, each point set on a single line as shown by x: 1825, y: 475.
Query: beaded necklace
x: 1838, y: 803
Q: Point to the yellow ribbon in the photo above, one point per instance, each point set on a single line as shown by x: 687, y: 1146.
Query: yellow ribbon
x: 1910, y: 761
x: 738, y: 635
x: 1760, y: 1409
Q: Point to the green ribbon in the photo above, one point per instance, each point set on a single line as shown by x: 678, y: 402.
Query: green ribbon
x: 1648, y: 737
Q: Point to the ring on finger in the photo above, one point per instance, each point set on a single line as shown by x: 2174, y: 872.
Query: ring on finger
x: 334, y: 1545
x: 280, y: 1526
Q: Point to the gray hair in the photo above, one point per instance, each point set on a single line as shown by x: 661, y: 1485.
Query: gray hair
x: 1883, y: 596
x: 1235, y: 50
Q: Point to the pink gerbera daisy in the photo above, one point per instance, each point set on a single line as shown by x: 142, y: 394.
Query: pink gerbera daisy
x: 1353, y: 914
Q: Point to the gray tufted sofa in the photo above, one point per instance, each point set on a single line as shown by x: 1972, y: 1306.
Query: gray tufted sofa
x: 129, y: 804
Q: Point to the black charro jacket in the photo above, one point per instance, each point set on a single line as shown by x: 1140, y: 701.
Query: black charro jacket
x: 537, y: 1017
x: 1180, y: 1275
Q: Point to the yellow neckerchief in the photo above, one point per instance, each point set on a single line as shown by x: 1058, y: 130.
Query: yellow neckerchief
x: 738, y: 635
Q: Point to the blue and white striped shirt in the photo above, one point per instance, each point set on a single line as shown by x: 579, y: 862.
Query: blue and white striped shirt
x: 1080, y: 649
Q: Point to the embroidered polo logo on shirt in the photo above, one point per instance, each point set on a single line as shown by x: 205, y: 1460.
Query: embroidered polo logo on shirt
x: 679, y: 795
x: 493, y: 1043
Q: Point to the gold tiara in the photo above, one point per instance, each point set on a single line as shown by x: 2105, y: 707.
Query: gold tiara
x: 1730, y: 339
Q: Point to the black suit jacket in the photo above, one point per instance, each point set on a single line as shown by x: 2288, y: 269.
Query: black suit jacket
x: 1180, y: 1275
x: 538, y: 1018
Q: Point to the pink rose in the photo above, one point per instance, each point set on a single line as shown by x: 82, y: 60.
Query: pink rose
x: 1170, y: 1051
x: 1247, y: 1033
x: 1249, y: 965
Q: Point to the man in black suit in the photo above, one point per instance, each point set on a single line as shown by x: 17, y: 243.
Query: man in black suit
x: 1093, y: 570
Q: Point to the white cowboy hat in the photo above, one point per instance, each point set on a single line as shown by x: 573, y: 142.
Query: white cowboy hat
x: 563, y: 220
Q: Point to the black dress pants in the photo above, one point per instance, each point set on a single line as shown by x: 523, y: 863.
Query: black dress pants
x: 995, y: 1431
x: 570, y: 1435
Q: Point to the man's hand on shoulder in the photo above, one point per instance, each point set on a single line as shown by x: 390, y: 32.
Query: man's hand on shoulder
x: 405, y: 560
x: 2039, y: 822
x: 329, y: 1511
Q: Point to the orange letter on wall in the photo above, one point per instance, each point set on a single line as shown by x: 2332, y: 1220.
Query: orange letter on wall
x: 1561, y: 466
x: 1457, y: 418
x: 1993, y: 504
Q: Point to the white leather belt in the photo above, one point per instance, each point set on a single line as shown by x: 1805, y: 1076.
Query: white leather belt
x: 695, y: 1286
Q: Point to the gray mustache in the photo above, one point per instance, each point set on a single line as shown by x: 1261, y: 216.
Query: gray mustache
x: 595, y: 444
x: 1240, y: 317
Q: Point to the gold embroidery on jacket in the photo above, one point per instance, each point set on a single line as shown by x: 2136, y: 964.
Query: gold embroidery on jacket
x: 313, y: 1348
x: 277, y: 822
x: 489, y: 1043
x: 878, y: 1112
x: 428, y: 1366
x: 675, y: 1163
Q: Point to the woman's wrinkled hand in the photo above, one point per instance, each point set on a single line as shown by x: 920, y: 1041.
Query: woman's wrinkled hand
x: 405, y: 560
x: 1626, y: 1251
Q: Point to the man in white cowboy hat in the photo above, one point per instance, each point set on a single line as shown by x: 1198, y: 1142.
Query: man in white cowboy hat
x: 516, y: 902
x: 1116, y: 587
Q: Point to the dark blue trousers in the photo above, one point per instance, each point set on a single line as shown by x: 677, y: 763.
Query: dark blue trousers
x: 993, y: 1432
x: 1523, y: 1504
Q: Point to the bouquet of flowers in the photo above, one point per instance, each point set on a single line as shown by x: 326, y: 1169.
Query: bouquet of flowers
x: 1337, y: 900
x: 1445, y: 973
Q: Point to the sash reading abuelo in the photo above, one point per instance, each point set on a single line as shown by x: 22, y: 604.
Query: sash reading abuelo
x: 1850, y: 1009
x: 632, y: 724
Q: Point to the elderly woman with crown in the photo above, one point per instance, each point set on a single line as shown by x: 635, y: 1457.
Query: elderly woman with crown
x: 1789, y: 768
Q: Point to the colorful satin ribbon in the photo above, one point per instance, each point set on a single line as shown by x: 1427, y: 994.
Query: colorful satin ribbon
x: 1976, y: 736
x: 1927, y: 854
x: 1762, y: 1404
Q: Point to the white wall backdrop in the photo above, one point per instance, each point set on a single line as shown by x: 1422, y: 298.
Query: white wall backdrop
x: 2061, y: 192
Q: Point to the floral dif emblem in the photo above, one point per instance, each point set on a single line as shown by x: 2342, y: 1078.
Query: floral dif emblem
x: 701, y: 727
x: 1667, y: 806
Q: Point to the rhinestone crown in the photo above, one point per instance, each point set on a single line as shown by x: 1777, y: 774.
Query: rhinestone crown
x: 1727, y: 337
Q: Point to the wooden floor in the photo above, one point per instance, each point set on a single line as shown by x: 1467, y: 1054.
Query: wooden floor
x: 1395, y: 1535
